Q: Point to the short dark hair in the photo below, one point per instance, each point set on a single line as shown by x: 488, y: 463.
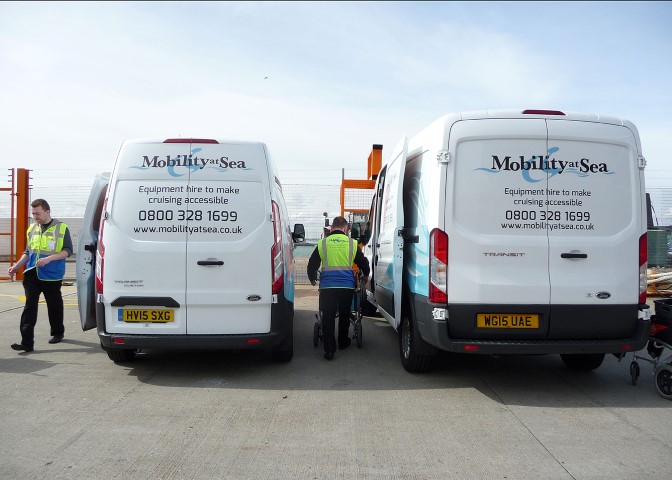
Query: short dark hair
x: 40, y: 202
x: 339, y: 222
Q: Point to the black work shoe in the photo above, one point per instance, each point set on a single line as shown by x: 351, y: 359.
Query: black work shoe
x: 19, y: 347
x: 345, y: 344
x: 56, y: 339
x: 329, y: 355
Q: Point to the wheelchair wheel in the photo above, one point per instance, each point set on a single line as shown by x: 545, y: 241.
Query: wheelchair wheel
x: 663, y: 377
x: 316, y: 334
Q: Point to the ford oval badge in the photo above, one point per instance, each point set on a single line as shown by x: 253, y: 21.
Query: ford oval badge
x: 603, y: 295
x: 254, y: 298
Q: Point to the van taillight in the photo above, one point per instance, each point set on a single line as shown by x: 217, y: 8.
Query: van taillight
x: 438, y: 266
x: 100, y: 252
x: 643, y: 259
x: 542, y: 112
x: 189, y: 140
x: 277, y: 268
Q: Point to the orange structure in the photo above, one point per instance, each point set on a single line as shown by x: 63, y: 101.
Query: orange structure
x: 356, y: 194
x: 19, y: 215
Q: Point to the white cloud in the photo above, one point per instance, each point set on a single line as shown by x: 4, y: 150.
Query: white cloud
x: 79, y: 78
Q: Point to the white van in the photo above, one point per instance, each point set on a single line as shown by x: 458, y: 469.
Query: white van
x: 502, y: 232
x: 191, y: 248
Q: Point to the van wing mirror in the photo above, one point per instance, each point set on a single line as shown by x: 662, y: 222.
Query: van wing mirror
x: 365, y: 235
x: 355, y: 231
x: 299, y: 233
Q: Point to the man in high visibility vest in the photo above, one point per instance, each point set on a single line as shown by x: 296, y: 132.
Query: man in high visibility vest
x: 337, y: 253
x: 49, y: 244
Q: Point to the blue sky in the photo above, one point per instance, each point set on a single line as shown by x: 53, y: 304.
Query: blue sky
x: 319, y: 82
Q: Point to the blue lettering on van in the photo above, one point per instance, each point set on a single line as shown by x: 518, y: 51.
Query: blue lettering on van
x: 544, y: 163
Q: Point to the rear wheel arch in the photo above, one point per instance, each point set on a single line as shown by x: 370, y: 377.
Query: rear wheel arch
x: 413, y: 356
x: 119, y: 355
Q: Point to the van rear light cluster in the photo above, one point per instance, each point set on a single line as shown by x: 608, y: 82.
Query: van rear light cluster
x: 277, y: 268
x: 438, y: 266
x: 643, y: 259
x: 100, y: 253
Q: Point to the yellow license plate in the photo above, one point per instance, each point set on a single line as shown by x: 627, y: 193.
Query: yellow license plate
x: 144, y: 315
x: 507, y: 320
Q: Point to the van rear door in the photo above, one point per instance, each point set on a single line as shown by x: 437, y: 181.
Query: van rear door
x: 144, y: 239
x: 388, y: 251
x: 230, y: 235
x: 594, y: 207
x: 87, y: 241
x: 495, y: 209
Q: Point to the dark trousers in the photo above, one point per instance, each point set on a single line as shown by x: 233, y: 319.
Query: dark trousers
x: 33, y: 287
x: 334, y: 300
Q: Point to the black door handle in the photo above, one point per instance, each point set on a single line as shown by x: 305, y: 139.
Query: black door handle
x: 210, y: 262
x: 573, y: 255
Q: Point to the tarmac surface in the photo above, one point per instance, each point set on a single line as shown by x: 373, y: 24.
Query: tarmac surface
x: 68, y: 412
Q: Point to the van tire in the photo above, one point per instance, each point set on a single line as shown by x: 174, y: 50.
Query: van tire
x: 283, y: 356
x: 285, y: 351
x: 119, y: 355
x: 582, y: 362
x: 412, y: 361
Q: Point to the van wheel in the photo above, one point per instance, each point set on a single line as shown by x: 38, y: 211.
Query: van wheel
x: 411, y: 360
x: 121, y: 355
x: 283, y: 355
x: 285, y: 351
x: 582, y: 362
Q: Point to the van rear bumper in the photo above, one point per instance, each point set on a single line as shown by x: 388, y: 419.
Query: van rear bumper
x: 282, y: 326
x: 441, y: 341
x: 435, y: 331
x: 191, y: 342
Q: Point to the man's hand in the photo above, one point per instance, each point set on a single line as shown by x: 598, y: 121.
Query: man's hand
x: 313, y: 282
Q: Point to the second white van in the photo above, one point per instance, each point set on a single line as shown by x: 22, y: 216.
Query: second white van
x: 524, y: 231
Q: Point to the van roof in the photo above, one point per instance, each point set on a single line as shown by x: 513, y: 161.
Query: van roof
x: 443, y: 124
x: 218, y: 140
x: 536, y: 113
x: 539, y: 113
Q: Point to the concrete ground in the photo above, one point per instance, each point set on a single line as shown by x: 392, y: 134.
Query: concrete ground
x: 68, y: 412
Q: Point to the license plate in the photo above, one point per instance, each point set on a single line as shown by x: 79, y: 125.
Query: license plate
x: 507, y: 320
x: 145, y: 315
